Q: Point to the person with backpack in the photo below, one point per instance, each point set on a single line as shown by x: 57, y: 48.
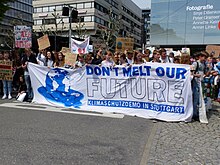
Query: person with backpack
x: 198, y: 75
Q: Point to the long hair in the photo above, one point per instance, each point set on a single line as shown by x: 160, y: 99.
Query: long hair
x: 185, y: 59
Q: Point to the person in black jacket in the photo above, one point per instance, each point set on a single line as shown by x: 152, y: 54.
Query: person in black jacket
x: 28, y: 57
x: 21, y: 96
x: 97, y: 60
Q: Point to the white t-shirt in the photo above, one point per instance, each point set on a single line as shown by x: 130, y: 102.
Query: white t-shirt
x: 108, y: 63
x: 41, y: 59
x: 166, y: 60
x: 130, y: 61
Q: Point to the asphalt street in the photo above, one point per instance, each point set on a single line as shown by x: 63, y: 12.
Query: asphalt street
x: 44, y: 135
x: 36, y: 134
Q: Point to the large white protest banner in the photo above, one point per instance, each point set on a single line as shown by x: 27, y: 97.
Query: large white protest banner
x: 151, y: 91
x: 80, y: 47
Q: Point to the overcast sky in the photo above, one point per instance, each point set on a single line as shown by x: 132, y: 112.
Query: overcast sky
x: 142, y: 3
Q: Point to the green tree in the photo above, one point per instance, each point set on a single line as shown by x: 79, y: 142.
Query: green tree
x: 110, y: 33
x: 53, y: 30
x: 4, y: 7
x: 80, y: 31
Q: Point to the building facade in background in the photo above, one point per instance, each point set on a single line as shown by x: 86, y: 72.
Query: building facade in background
x: 146, y: 27
x: 20, y: 14
x: 185, y: 22
x: 92, y: 14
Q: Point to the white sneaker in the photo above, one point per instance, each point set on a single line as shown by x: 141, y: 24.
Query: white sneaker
x: 9, y: 97
x: 4, y: 97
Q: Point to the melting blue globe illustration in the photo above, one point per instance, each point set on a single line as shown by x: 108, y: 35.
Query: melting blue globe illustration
x: 58, y: 89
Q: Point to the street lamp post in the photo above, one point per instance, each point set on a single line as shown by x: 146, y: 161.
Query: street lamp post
x: 71, y: 12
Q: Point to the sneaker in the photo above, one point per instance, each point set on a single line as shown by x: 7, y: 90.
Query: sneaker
x: 9, y: 97
x: 4, y: 97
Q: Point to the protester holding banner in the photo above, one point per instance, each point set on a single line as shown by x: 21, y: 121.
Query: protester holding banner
x: 176, y: 60
x: 123, y: 60
x: 89, y: 58
x: 185, y: 59
x: 108, y: 62
x: 138, y: 58
x: 164, y: 57
x: 41, y: 57
x: 171, y: 56
x: 80, y: 62
x: 28, y: 57
x: 129, y: 55
x: 116, y: 58
x: 98, y: 58
x: 60, y: 60
x: 146, y: 55
x: 199, y: 111
x: 156, y: 56
x: 50, y: 59
x: 7, y: 83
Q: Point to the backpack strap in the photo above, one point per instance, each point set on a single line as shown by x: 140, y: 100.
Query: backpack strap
x: 197, y: 67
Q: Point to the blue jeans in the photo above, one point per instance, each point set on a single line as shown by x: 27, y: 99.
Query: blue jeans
x: 7, y: 87
x: 29, y: 87
x: 196, y: 98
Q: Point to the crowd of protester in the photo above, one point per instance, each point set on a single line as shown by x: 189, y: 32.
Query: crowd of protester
x: 205, y: 69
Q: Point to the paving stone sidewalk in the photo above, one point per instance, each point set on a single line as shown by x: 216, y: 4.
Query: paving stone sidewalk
x: 187, y: 143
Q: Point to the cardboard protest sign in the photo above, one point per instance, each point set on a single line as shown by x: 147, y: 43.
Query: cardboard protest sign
x: 5, y: 70
x: 214, y: 49
x: 70, y: 58
x: 43, y: 42
x: 123, y: 44
x: 23, y: 37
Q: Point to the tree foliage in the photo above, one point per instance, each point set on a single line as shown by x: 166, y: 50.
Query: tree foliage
x: 4, y: 7
x: 110, y: 33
